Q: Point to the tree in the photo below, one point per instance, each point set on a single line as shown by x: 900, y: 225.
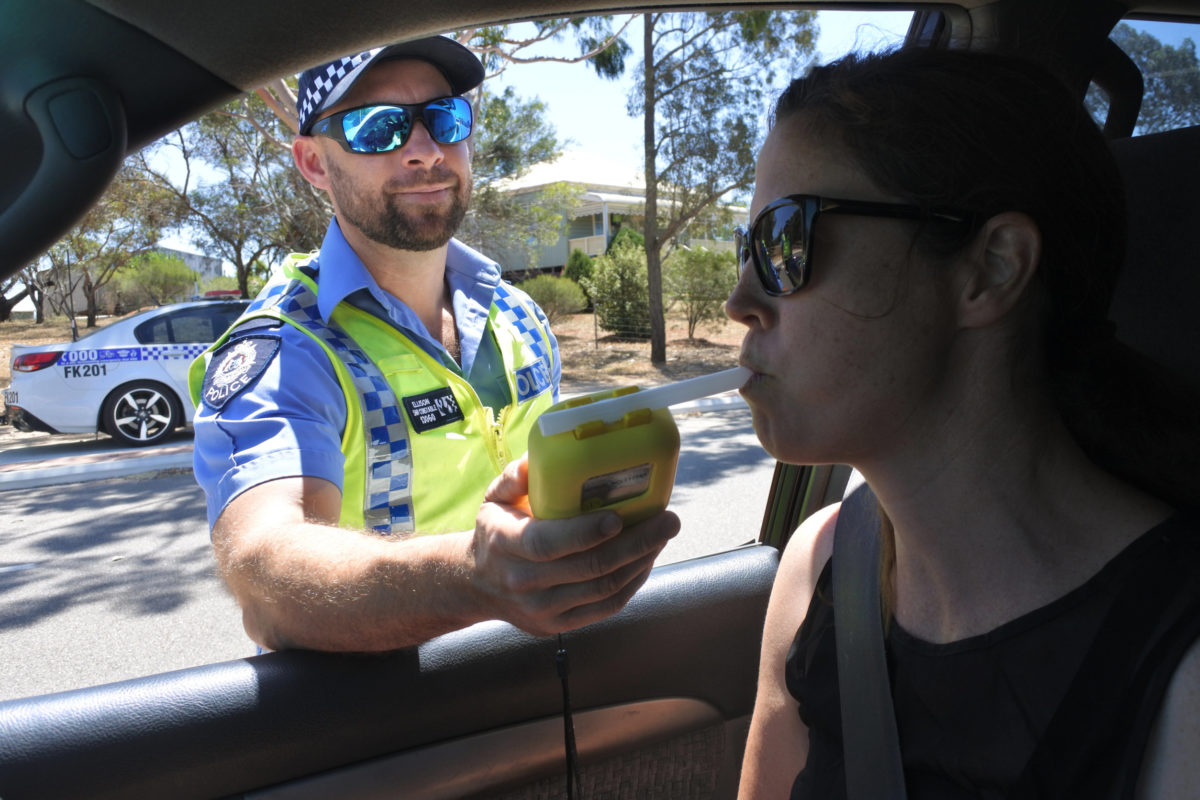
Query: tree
x: 1171, y: 95
x: 598, y: 42
x: 511, y: 135
x: 6, y: 301
x: 38, y: 282
x: 700, y: 281
x: 255, y: 206
x: 619, y: 290
x: 126, y: 222
x: 258, y: 207
x: 701, y: 92
x: 156, y: 278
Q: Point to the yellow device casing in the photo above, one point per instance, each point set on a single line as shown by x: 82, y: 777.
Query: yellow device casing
x: 627, y: 465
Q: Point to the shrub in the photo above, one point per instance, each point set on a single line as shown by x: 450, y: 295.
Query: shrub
x: 219, y: 282
x: 700, y: 281
x: 626, y: 235
x: 153, y: 278
x: 558, y: 297
x: 619, y: 291
x: 579, y: 266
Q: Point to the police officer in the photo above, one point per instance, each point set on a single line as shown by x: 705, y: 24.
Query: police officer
x: 382, y: 387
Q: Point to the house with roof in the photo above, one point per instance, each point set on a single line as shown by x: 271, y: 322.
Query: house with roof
x: 611, y: 195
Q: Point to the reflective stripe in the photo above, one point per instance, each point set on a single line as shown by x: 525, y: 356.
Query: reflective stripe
x: 387, y: 499
x: 154, y: 352
x: 533, y: 379
x: 458, y: 459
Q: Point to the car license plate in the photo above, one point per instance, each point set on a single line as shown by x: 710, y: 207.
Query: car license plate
x: 10, y: 397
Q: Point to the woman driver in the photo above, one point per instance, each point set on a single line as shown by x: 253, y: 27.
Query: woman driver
x: 935, y: 239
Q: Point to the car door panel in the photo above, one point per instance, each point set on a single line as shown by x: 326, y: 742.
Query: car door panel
x: 662, y: 694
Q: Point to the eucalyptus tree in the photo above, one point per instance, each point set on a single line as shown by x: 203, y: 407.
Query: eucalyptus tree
x: 704, y: 87
x: 126, y: 222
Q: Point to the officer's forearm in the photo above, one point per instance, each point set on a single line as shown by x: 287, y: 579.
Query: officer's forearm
x: 317, y: 587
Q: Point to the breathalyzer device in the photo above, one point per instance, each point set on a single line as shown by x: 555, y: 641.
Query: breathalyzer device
x: 614, y: 449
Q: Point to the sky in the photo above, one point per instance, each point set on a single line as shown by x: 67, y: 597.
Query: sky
x: 574, y: 94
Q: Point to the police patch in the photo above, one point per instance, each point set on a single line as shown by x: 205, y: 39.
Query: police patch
x: 432, y: 409
x: 235, y: 366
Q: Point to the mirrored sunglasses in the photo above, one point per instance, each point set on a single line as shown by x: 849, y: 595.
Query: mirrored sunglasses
x: 779, y: 241
x: 382, y: 128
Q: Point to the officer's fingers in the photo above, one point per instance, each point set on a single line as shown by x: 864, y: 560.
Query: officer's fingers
x: 603, y: 609
x: 586, y: 559
x: 510, y: 486
x: 553, y: 539
x: 574, y: 605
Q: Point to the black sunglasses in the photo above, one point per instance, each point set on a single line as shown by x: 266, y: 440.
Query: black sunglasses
x: 779, y: 241
x: 381, y: 128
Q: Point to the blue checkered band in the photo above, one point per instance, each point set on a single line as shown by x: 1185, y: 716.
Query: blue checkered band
x: 317, y: 84
x: 387, y: 506
x: 166, y: 352
x: 269, y: 296
x: 535, y: 378
x: 153, y: 352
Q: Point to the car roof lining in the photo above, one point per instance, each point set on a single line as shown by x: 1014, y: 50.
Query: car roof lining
x: 241, y: 58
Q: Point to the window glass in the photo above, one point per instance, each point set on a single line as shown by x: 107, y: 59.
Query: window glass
x: 193, y: 326
x: 155, y: 331
x: 1165, y: 53
x: 134, y: 590
x: 202, y: 324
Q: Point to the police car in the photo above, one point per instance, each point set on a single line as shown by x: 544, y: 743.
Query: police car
x: 127, y: 379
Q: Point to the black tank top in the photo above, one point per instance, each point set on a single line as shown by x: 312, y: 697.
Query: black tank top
x: 1056, y: 703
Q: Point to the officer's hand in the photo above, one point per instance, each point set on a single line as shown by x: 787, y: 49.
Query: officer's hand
x: 547, y: 576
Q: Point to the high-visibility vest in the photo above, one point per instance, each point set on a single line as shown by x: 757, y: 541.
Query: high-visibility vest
x: 420, y: 448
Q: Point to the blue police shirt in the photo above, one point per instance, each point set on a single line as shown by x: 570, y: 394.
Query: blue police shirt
x: 289, y: 421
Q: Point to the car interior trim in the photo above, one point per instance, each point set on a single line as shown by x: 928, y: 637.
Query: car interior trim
x: 506, y: 757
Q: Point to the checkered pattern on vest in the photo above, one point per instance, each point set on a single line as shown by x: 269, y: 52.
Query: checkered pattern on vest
x: 387, y: 507
x: 530, y: 328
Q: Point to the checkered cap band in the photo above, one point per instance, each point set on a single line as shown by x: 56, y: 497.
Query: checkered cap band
x: 320, y: 87
x: 387, y: 501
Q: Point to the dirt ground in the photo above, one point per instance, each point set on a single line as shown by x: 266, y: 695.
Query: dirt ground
x: 590, y: 357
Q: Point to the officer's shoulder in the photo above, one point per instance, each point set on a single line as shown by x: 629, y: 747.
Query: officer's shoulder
x: 238, y: 363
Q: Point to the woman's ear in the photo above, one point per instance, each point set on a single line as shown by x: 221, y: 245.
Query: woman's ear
x: 1005, y: 256
x: 310, y: 160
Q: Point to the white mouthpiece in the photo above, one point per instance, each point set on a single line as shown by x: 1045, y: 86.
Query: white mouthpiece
x: 613, y: 408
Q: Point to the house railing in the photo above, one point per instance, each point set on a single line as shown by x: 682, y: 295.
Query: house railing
x: 592, y: 245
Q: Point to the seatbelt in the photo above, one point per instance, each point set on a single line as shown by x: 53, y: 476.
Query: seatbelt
x: 870, y: 743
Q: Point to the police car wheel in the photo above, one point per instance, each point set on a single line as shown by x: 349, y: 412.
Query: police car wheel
x: 141, y: 413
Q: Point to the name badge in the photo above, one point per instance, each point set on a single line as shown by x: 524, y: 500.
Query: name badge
x: 432, y: 409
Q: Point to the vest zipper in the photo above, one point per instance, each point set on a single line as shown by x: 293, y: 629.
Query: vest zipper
x: 499, y: 449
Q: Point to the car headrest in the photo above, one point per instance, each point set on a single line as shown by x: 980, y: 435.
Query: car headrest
x: 1154, y: 304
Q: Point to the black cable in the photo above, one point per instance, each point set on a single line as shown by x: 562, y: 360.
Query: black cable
x: 560, y: 662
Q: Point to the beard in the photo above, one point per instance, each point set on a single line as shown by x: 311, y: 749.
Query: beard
x: 383, y: 218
